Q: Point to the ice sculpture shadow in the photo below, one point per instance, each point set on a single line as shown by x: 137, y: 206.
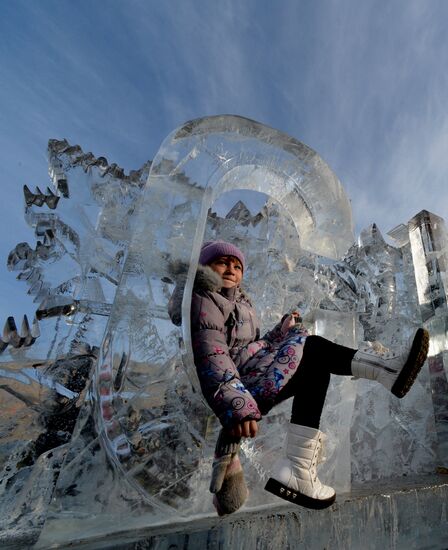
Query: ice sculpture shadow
x: 152, y: 419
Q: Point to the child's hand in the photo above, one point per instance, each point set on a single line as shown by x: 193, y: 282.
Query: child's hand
x: 287, y: 324
x: 290, y: 322
x: 297, y: 316
x: 247, y: 428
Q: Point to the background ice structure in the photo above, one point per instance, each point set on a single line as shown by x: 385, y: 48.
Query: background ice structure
x: 104, y: 424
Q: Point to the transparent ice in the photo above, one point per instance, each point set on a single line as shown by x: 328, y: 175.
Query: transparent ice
x: 137, y: 438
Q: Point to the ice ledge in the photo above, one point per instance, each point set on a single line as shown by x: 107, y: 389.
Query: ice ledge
x: 405, y: 513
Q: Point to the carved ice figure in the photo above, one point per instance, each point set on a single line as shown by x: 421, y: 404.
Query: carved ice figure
x: 83, y: 230
x: 82, y: 226
x: 155, y: 429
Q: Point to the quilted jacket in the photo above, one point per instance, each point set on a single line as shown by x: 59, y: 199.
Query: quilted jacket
x: 242, y: 375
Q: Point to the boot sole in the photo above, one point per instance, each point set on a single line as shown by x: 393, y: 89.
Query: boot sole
x: 284, y: 492
x: 417, y: 356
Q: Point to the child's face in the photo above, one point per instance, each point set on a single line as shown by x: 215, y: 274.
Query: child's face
x: 230, y: 269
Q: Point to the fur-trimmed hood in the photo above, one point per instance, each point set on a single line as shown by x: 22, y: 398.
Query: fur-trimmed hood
x: 205, y: 280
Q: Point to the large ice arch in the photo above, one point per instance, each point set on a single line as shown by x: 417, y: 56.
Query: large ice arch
x: 153, y: 423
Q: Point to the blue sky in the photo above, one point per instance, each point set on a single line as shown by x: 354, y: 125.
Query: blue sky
x: 364, y: 83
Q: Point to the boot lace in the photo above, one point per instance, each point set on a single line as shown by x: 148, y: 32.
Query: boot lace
x: 376, y: 347
x: 319, y: 456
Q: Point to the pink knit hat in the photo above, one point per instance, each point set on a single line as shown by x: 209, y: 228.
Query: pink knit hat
x: 215, y: 249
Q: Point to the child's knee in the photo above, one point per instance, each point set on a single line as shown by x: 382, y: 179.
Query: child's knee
x: 313, y: 343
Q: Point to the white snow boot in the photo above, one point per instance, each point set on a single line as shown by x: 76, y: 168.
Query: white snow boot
x: 395, y: 370
x: 294, y: 478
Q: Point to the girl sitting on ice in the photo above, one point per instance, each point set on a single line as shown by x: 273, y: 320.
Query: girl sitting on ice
x: 243, y: 376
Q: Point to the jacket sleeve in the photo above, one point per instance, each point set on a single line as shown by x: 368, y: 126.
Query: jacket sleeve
x: 218, y: 375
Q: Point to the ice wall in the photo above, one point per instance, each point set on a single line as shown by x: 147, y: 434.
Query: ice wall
x: 142, y: 441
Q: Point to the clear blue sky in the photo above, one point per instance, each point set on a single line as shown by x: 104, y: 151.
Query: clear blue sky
x: 364, y: 83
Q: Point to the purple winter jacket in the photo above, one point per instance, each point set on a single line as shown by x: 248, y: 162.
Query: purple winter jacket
x: 241, y: 375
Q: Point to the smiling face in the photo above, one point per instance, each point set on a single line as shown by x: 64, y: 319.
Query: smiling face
x: 230, y: 269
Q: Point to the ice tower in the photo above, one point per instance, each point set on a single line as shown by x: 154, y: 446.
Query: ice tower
x: 104, y: 430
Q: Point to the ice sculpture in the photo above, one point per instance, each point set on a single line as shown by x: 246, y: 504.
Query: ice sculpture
x: 82, y: 227
x: 142, y: 441
x: 144, y: 399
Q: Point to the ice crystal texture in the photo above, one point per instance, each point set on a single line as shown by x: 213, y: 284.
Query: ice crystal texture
x: 104, y: 417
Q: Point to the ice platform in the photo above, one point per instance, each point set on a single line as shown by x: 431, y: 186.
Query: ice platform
x: 407, y: 513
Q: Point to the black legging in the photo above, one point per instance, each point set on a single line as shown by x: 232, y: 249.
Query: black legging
x: 309, y: 384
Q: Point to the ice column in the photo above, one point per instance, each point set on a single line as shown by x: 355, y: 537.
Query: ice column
x: 428, y: 238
